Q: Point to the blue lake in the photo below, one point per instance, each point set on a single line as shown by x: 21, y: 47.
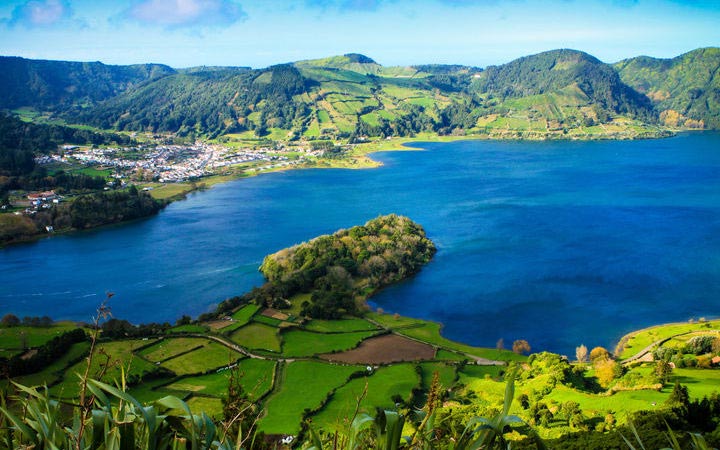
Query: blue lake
x: 559, y: 243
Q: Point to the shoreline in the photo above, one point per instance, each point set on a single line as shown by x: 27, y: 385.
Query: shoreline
x: 357, y: 158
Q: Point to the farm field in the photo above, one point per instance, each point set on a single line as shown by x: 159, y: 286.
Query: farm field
x: 257, y: 336
x: 382, y: 384
x: 305, y: 343
x: 384, y: 349
x: 210, y: 356
x: 304, y: 384
x: 12, y: 340
x: 284, y: 373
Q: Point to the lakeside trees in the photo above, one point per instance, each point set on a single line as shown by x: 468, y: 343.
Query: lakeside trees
x: 339, y: 268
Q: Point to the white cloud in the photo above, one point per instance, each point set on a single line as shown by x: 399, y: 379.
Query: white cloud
x: 40, y: 13
x: 186, y: 13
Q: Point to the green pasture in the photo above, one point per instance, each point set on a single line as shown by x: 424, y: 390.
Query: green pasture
x: 430, y: 332
x: 475, y: 371
x: 399, y: 92
x: 94, y: 172
x: 271, y: 321
x: 164, y: 191
x: 255, y: 378
x: 447, y: 374
x: 306, y: 343
x: 638, y: 340
x: 445, y: 355
x: 54, y: 371
x: 303, y: 384
x: 11, y: 339
x: 116, y: 356
x: 339, y: 326
x: 147, y: 391
x: 382, y: 385
x: 171, y: 347
x: 189, y: 328
x: 323, y: 117
x: 257, y: 336
x: 209, y: 405
x: 244, y: 314
x: 622, y: 403
x: 241, y: 317
x: 211, y: 356
x: 700, y: 382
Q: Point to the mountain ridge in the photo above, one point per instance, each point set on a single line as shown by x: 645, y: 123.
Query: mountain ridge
x: 341, y: 97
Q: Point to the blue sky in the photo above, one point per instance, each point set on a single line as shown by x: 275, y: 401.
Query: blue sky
x: 259, y: 33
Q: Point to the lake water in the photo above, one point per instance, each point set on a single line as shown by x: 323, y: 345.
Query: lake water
x: 559, y: 243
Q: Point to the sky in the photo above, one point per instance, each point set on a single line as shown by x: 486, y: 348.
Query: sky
x: 259, y: 33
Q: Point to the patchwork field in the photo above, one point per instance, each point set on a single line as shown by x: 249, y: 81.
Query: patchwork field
x: 324, y: 369
x: 384, y: 349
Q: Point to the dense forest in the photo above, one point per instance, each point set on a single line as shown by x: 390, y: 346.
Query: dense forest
x: 58, y: 85
x: 85, y: 211
x: 556, y: 70
x: 685, y: 89
x: 341, y: 268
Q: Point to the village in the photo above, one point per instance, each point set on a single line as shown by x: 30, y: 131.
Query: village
x: 173, y: 163
x: 158, y: 163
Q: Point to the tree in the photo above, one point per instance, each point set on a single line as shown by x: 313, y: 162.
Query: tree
x: 662, y: 371
x: 599, y: 353
x: 521, y: 346
x: 679, y: 396
x: 581, y: 353
x: 184, y: 320
x: 606, y: 370
x: 10, y: 320
x: 500, y: 344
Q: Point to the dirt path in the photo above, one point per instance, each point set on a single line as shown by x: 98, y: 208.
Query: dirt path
x: 651, y: 347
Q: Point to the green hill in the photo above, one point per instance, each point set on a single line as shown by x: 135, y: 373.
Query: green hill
x: 560, y: 93
x: 57, y: 85
x: 564, y: 73
x: 685, y: 89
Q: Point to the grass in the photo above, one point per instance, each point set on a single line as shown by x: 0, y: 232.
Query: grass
x: 210, y: 406
x: 430, y: 332
x: 622, y: 403
x: 257, y: 336
x: 256, y: 380
x: 244, y: 314
x: 148, y: 391
x: 700, y: 382
x: 339, y: 326
x: 241, y: 317
x: 170, y: 347
x: 475, y: 371
x: 169, y: 190
x: 382, y: 385
x: 305, y: 384
x: 305, y: 343
x: 445, y: 355
x: 93, y: 172
x: 190, y: 328
x: 117, y: 355
x: 638, y: 340
x: 446, y: 372
x: 53, y: 372
x: 211, y: 356
x: 11, y: 338
x: 273, y: 322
